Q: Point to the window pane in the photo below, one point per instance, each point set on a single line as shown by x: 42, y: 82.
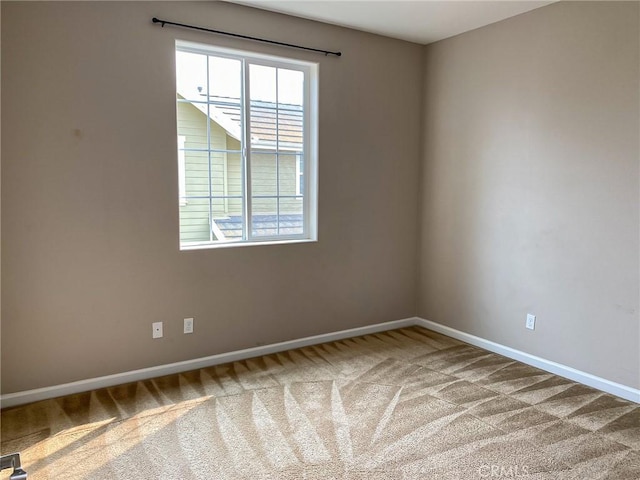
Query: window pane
x: 196, y: 171
x: 262, y: 96
x: 264, y: 217
x: 229, y: 226
x: 235, y: 182
x: 290, y: 128
x: 290, y: 218
x: 217, y: 172
x: 192, y: 124
x: 290, y: 87
x: 225, y: 79
x: 262, y: 81
x: 287, y: 174
x: 264, y: 179
x: 194, y: 221
x: 263, y: 125
x: 191, y: 76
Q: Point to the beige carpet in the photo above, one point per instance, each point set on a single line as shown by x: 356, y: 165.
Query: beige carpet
x: 407, y: 403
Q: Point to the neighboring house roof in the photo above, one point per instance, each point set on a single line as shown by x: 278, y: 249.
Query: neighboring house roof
x: 265, y: 225
x: 270, y: 122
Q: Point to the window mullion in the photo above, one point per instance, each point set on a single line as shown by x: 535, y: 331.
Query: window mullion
x: 306, y: 164
x: 277, y: 158
x: 209, y: 170
x: 246, y: 152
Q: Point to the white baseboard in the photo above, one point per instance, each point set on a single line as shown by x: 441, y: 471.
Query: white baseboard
x: 600, y: 383
x: 28, y: 396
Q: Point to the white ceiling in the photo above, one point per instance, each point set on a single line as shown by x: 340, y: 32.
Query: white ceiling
x: 420, y: 21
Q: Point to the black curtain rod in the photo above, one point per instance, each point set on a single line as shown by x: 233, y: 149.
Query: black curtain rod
x: 246, y: 37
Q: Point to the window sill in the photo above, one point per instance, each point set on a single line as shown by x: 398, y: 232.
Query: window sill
x: 208, y: 246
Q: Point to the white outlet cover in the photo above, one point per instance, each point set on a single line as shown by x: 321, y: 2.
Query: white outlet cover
x: 188, y: 325
x: 531, y: 322
x: 156, y: 330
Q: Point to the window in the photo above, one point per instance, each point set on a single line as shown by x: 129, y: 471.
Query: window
x: 247, y: 136
x: 182, y: 186
x: 299, y: 176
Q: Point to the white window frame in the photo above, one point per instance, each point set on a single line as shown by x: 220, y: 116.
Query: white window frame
x: 182, y: 174
x: 299, y: 176
x: 310, y: 146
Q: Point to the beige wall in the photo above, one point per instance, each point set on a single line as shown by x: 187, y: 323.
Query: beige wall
x: 89, y: 186
x: 530, y: 185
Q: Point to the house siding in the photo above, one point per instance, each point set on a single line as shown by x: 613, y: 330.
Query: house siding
x: 226, y: 176
x: 194, y: 214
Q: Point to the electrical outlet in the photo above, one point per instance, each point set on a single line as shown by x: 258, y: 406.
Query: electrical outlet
x: 156, y: 330
x: 188, y: 325
x: 531, y: 321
